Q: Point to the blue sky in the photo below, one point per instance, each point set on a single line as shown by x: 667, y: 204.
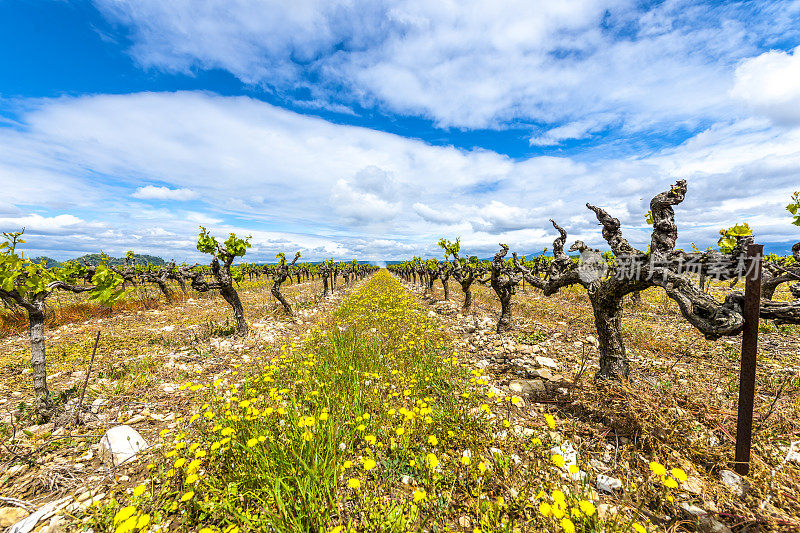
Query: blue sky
x: 371, y: 129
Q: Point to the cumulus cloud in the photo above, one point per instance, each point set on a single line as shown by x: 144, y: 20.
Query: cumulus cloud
x: 770, y: 84
x: 299, y: 182
x: 370, y: 195
x: 35, y: 223
x: 472, y: 63
x: 151, y: 192
x: 437, y: 216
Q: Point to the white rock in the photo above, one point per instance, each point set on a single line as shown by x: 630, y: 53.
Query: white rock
x: 567, y: 451
x: 734, y: 482
x: 121, y: 443
x: 608, y: 483
x: 546, y: 361
x: 96, y: 404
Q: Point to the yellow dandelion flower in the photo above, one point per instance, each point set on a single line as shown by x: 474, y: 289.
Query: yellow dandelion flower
x: 557, y: 460
x: 432, y: 440
x: 370, y: 439
x: 587, y: 507
x: 639, y: 528
x: 191, y: 479
x: 432, y: 460
x: 188, y: 496
x: 551, y: 422
x: 679, y: 474
x: 354, y: 483
x: 670, y: 483
x: 420, y: 495
x: 142, y: 522
x: 139, y: 490
x: 124, y: 514
x: 545, y: 509
x: 127, y: 525
x: 252, y: 442
x: 658, y: 469
x: 567, y: 525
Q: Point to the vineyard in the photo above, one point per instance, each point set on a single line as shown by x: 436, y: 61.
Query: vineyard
x: 575, y: 390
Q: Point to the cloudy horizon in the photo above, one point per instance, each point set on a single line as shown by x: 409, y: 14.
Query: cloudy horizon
x: 370, y: 130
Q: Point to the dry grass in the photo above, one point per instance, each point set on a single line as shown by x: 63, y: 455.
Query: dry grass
x: 681, y: 401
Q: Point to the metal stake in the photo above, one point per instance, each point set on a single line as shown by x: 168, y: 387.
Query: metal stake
x: 747, y: 376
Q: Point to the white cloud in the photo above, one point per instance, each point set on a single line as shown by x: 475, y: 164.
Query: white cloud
x: 473, y: 63
x: 770, y: 84
x: 368, y: 196
x: 298, y: 182
x: 151, y: 192
x: 574, y: 130
x: 438, y: 217
x: 44, y: 224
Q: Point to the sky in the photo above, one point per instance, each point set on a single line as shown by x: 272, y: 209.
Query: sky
x: 369, y: 129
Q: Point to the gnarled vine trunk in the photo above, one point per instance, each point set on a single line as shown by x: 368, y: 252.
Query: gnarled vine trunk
x: 38, y: 360
x: 232, y: 297
x: 608, y: 322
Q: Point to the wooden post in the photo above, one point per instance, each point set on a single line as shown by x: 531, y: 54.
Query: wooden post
x: 747, y: 376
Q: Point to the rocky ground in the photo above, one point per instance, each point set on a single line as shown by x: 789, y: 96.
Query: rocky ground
x: 680, y: 404
x: 138, y: 378
x: 681, y: 401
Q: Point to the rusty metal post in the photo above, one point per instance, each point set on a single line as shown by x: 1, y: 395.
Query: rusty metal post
x: 747, y: 376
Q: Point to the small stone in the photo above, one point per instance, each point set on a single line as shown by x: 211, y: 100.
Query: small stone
x: 734, y: 482
x: 608, y: 483
x: 96, y: 404
x: 546, y: 362
x: 597, y: 465
x: 121, y: 443
x: 692, y: 485
x: 11, y: 515
x: 606, y: 511
x: 693, y: 510
x: 567, y: 451
x: 543, y: 373
x: 464, y: 521
x: 526, y: 387
x: 137, y: 419
x: 592, y: 340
